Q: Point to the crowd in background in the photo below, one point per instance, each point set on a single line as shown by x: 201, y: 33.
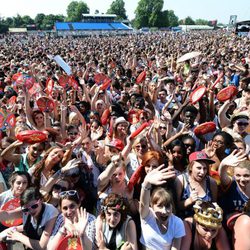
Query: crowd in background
x: 192, y: 190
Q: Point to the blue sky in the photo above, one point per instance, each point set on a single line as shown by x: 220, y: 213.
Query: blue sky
x: 209, y: 9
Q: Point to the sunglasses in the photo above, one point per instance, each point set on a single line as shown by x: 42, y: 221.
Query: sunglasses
x: 73, y: 133
x: 141, y: 146
x: 34, y: 206
x: 59, y: 187
x: 242, y: 124
x: 189, y: 145
x: 69, y: 193
x: 162, y: 127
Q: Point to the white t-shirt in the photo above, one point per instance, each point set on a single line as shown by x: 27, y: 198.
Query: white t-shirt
x: 153, y: 239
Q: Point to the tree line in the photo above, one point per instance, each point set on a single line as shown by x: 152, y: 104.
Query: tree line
x: 149, y: 13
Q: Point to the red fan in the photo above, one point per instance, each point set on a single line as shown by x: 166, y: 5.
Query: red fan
x: 15, y: 76
x: 139, y: 130
x: 31, y: 136
x: 69, y: 243
x: 45, y: 104
x: 227, y: 93
x: 141, y: 77
x: 8, y: 206
x: 105, y: 117
x: 63, y: 80
x: 197, y: 94
x: 49, y: 86
x: 12, y: 100
x: 28, y: 82
x: 73, y: 82
x: 105, y: 84
x: 205, y: 128
x: 135, y: 177
x: 99, y: 78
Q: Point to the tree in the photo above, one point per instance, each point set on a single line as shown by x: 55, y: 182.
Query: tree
x: 201, y: 22
x: 172, y: 18
x: 27, y: 20
x: 189, y: 21
x: 17, y: 21
x: 75, y: 10
x: 147, y: 13
x: 3, y: 26
x: 118, y: 7
x: 39, y: 20
x: 163, y: 21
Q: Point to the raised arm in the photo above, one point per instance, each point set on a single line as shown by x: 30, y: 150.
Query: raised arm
x: 9, y: 153
x: 158, y: 176
x: 105, y: 176
x: 223, y: 120
x: 232, y: 160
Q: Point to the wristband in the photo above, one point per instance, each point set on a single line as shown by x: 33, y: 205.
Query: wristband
x: 146, y: 188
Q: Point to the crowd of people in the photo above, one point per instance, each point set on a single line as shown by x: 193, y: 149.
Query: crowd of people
x: 121, y: 164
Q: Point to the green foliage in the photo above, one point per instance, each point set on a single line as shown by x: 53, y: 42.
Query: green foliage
x: 148, y: 13
x: 45, y: 22
x: 201, y: 22
x: 172, y: 18
x: 3, y: 26
x: 75, y: 10
x: 189, y: 21
x: 27, y: 20
x: 17, y: 21
x: 39, y: 20
x: 118, y: 7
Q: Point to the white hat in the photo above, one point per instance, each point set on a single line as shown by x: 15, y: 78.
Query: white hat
x: 120, y: 120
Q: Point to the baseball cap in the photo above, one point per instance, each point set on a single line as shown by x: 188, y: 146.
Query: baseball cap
x: 116, y: 143
x: 200, y: 156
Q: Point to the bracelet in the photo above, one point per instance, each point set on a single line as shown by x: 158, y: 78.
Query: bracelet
x: 146, y: 188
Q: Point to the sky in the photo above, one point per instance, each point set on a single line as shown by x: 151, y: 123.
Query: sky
x: 209, y: 9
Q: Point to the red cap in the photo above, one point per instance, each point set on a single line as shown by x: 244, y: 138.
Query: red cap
x: 116, y: 143
x: 200, y: 156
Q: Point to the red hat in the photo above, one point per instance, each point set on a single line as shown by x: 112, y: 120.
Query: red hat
x: 116, y: 143
x: 200, y: 156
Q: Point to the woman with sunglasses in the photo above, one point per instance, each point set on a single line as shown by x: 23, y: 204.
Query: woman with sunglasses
x: 53, y: 197
x: 38, y: 220
x: 73, y: 220
x: 114, y: 228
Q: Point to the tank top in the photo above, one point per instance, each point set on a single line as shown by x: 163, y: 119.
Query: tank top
x: 186, y: 194
x: 114, y: 238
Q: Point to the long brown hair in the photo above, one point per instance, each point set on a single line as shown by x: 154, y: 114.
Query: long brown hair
x: 39, y: 167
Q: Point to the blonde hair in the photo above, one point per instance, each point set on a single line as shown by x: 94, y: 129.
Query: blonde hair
x: 72, y: 115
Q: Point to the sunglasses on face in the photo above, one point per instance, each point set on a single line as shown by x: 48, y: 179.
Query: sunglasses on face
x: 189, y: 145
x: 69, y: 193
x: 242, y: 124
x: 59, y: 187
x: 141, y: 146
x: 72, y: 133
x: 32, y: 207
x: 162, y: 127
